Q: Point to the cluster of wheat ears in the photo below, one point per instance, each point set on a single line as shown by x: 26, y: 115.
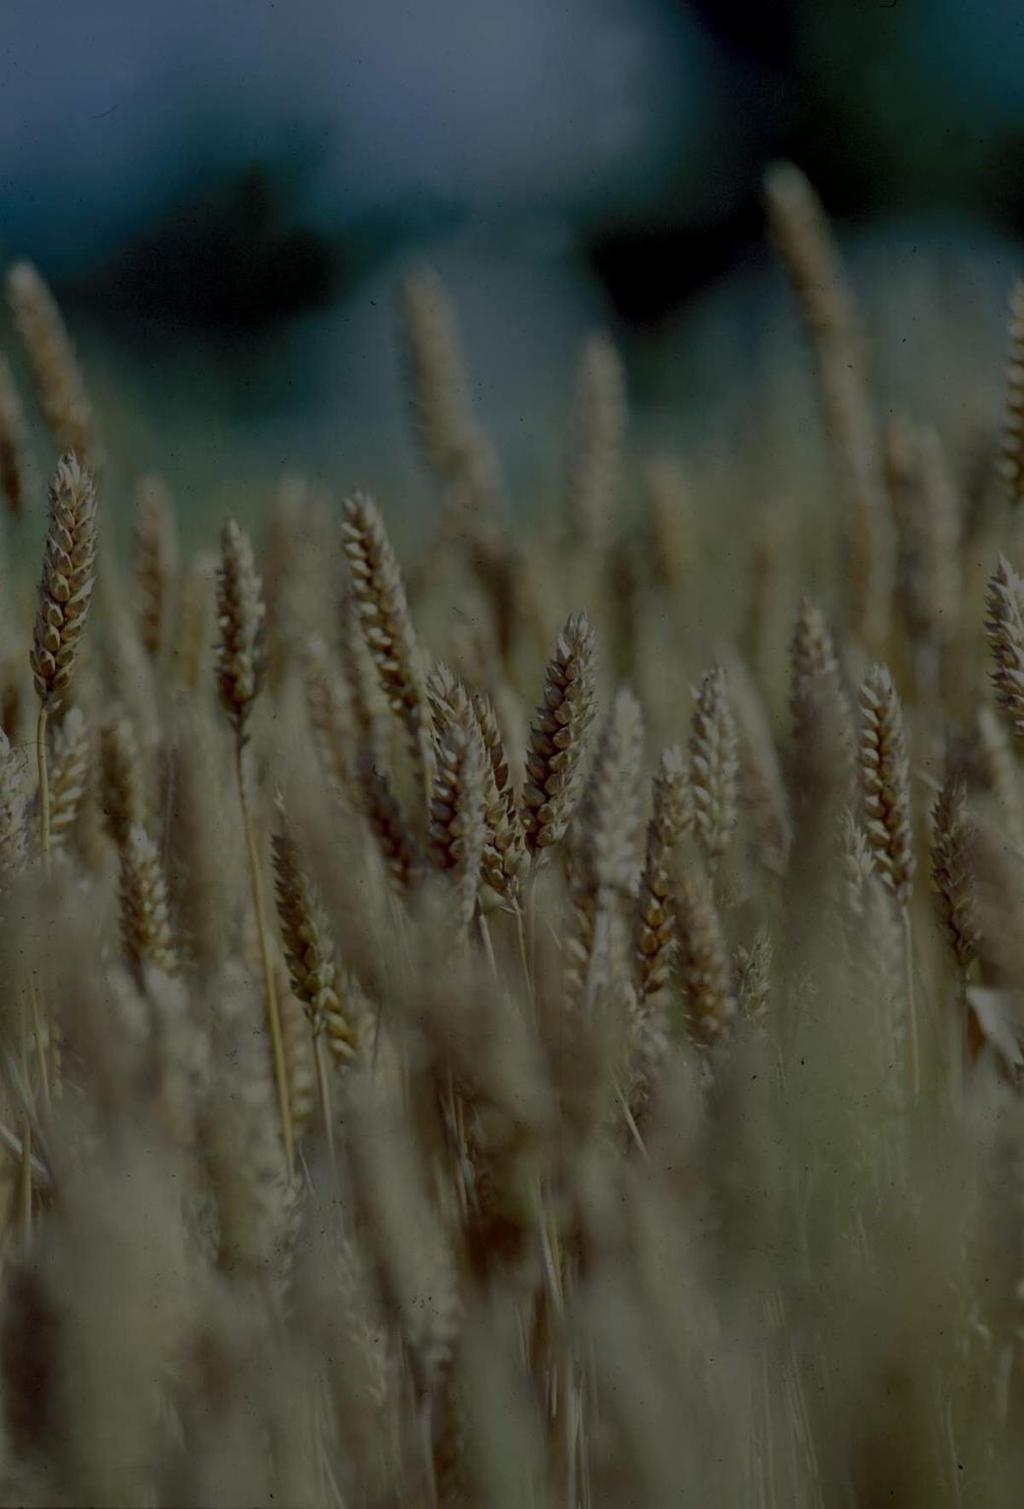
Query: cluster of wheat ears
x: 472, y: 1075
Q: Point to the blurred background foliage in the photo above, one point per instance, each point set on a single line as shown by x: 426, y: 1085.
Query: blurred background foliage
x: 224, y: 195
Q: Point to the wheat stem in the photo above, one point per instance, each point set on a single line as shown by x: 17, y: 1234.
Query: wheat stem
x: 269, y: 984
x: 44, y: 787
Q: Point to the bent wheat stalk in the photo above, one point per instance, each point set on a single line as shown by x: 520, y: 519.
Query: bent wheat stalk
x: 241, y: 665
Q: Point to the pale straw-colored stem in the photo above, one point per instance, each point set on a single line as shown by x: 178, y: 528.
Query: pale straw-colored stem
x: 44, y: 787
x: 269, y: 985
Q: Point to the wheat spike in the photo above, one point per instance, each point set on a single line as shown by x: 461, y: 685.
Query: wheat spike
x: 608, y: 817
x: 595, y: 457
x: 55, y: 370
x: 330, y: 717
x: 156, y: 562
x: 752, y: 976
x: 504, y: 857
x: 953, y: 837
x: 13, y: 835
x: 394, y: 841
x: 812, y: 262
x: 145, y: 921
x: 379, y: 597
x: 1004, y: 628
x: 120, y: 793
x: 558, y: 735
x: 16, y: 479
x: 69, y: 773
x: 69, y: 572
x: 308, y: 948
x: 1013, y: 401
x: 457, y: 828
x: 885, y: 783
x: 194, y: 623
x: 241, y: 659
x: 702, y: 961
x: 670, y: 821
x: 714, y: 765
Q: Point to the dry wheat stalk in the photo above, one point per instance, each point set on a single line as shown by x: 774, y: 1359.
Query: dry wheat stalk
x: 379, y: 597
x: 558, y: 735
x: 155, y: 562
x: 670, y: 821
x: 1004, y: 628
x: 16, y: 480
x: 885, y: 783
x: 55, y: 370
x: 1013, y: 401
x: 812, y: 262
x: 953, y: 838
x: 701, y: 958
x: 714, y: 766
x: 241, y: 666
x: 145, y: 920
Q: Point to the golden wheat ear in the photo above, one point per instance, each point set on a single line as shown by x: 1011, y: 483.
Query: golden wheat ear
x: 56, y: 373
x: 1004, y: 629
x: 378, y: 594
x: 241, y: 657
x: 714, y: 766
x: 655, y: 926
x: 1013, y: 401
x: 954, y: 837
x: 145, y: 919
x: 558, y: 735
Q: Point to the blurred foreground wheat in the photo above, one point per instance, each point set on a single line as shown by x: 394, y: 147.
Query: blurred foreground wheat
x: 440, y: 1065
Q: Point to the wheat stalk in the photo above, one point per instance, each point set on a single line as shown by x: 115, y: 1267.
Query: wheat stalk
x: 241, y: 666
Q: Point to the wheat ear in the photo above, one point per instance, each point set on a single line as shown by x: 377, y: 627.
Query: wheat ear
x: 504, y: 859
x: 1004, y: 628
x: 702, y: 960
x: 55, y: 370
x: 953, y: 836
x: 69, y: 573
x: 595, y: 457
x: 69, y: 774
x: 378, y: 594
x: 120, y: 795
x: 145, y: 920
x: 885, y: 784
x: 814, y: 268
x: 13, y: 839
x: 714, y: 766
x: 241, y: 666
x: 309, y: 952
x: 457, y: 828
x: 671, y: 819
x: 558, y: 735
x: 1013, y: 401
x: 155, y: 562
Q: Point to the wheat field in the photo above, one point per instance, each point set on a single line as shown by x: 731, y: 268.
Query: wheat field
x: 535, y: 1022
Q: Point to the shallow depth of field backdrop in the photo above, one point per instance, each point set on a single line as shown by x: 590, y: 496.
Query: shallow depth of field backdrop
x: 224, y: 196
